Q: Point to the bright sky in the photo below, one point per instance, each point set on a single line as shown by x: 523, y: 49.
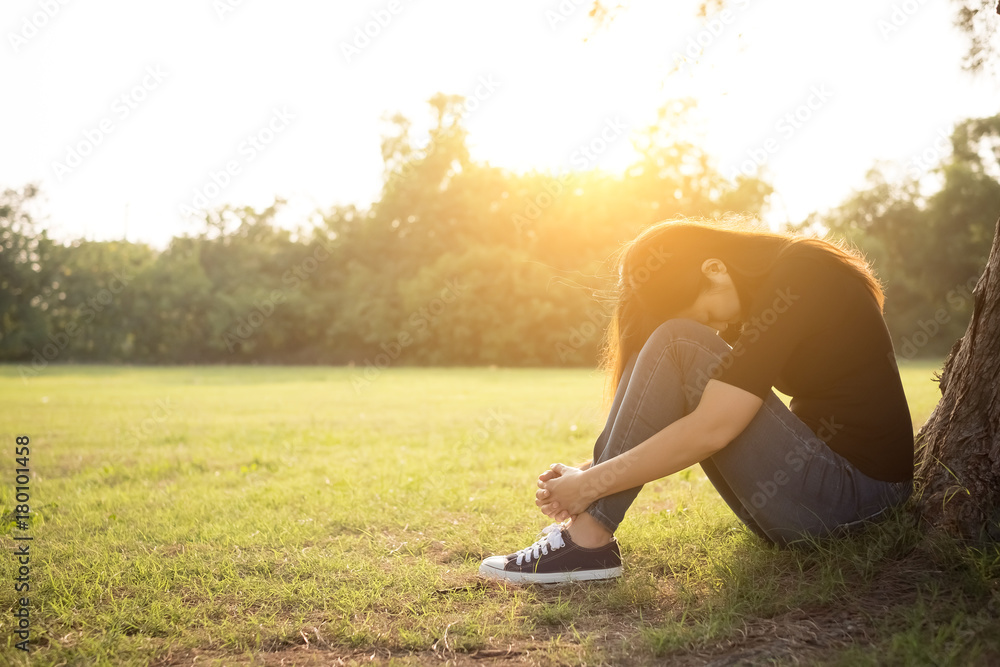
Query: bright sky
x: 126, y: 112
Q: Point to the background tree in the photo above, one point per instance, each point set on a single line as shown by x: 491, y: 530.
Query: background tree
x: 959, y: 445
x: 978, y: 20
x: 27, y: 279
x: 958, y: 448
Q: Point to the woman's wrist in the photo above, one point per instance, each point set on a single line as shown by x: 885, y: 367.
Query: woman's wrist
x: 590, y: 487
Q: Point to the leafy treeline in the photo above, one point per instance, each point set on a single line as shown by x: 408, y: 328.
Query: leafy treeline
x: 457, y: 263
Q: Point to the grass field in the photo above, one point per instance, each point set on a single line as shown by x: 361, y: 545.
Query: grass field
x: 290, y: 516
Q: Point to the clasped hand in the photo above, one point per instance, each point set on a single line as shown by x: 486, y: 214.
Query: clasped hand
x: 563, y: 492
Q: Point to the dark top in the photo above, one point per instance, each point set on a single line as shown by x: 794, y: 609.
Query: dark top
x: 814, y: 332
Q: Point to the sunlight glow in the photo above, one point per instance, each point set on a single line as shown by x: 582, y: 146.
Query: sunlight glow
x: 540, y: 89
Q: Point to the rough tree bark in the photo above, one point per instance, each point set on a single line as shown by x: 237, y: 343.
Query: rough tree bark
x: 958, y: 448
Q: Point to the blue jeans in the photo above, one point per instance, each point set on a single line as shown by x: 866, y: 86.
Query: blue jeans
x: 779, y: 478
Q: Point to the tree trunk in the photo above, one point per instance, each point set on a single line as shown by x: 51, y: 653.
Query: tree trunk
x: 958, y: 449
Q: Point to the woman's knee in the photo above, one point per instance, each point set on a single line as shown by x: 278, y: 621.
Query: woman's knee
x: 683, y: 329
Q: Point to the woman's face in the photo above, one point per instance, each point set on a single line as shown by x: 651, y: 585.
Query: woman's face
x: 718, y: 305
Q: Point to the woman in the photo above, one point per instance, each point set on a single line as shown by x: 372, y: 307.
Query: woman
x: 811, y: 326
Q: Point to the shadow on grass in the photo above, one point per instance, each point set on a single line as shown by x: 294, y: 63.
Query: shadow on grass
x: 887, y: 594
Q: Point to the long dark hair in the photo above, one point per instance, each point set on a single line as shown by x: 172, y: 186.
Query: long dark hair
x: 659, y: 273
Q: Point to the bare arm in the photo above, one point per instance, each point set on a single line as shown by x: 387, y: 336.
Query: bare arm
x: 722, y: 414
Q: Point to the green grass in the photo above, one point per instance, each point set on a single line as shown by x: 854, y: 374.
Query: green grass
x: 280, y: 516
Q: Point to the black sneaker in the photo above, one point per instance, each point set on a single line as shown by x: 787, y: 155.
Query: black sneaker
x: 555, y: 559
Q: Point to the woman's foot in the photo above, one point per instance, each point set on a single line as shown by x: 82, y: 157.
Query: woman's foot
x: 555, y: 558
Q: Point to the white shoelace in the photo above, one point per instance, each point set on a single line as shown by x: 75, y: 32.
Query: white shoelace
x: 551, y: 539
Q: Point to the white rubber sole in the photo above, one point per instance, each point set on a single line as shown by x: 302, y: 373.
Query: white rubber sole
x: 490, y: 572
